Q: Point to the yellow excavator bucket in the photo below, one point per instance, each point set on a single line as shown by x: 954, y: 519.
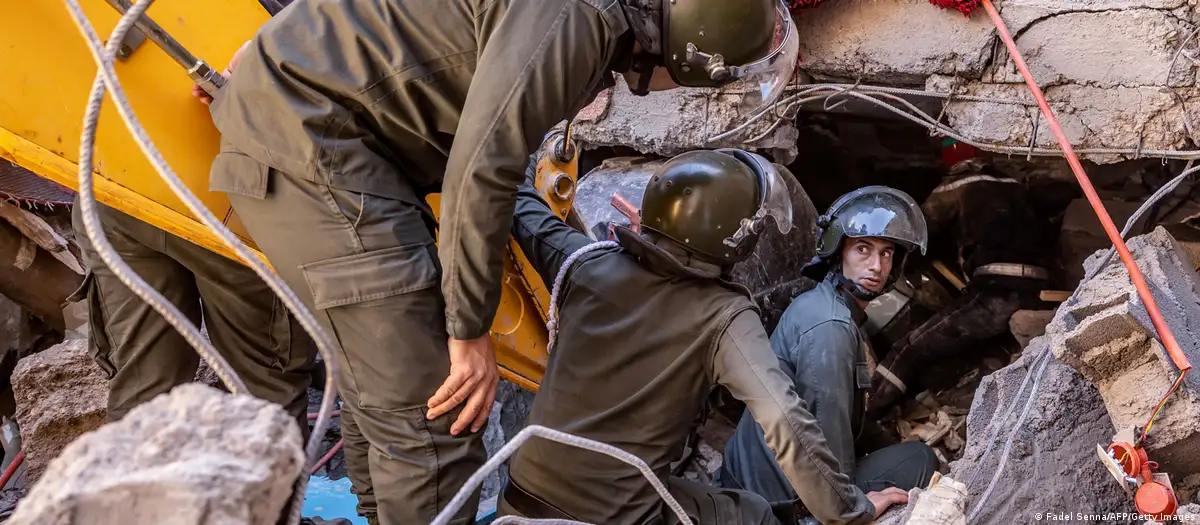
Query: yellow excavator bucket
x: 48, y: 73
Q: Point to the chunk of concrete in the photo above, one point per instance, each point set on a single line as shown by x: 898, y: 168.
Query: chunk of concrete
x: 1028, y: 324
x: 1112, y: 342
x: 60, y: 395
x: 195, y: 456
x: 1051, y: 464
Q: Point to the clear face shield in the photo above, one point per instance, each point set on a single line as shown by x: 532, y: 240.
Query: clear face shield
x: 769, y: 75
x: 776, y: 201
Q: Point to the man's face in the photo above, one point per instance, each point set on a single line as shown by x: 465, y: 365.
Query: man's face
x: 867, y: 262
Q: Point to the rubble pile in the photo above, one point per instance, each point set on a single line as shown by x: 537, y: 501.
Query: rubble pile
x: 1118, y: 73
x: 195, y: 456
x: 61, y: 394
x: 1047, y: 442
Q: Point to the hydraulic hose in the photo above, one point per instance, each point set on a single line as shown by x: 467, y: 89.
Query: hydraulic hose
x: 1135, y: 274
x: 106, y: 78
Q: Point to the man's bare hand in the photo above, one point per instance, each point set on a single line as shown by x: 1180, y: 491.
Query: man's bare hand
x: 886, y: 498
x: 473, y: 378
x: 204, y: 96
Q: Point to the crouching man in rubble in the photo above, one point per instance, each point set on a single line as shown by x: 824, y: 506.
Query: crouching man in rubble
x: 821, y: 347
x: 650, y: 325
x: 1001, y: 246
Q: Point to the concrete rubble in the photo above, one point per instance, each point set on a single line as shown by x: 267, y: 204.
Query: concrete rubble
x: 61, y: 394
x: 1112, y: 343
x: 1117, y: 73
x: 1093, y: 370
x: 196, y: 456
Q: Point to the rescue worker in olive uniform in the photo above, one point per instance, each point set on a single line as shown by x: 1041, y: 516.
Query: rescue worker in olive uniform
x: 344, y: 115
x: 977, y: 210
x: 144, y: 356
x: 820, y: 344
x: 649, y: 326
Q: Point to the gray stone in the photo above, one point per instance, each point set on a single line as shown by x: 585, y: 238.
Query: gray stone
x: 506, y: 420
x: 195, y: 456
x: 1028, y: 324
x: 60, y: 395
x: 1112, y: 342
x: 1051, y: 465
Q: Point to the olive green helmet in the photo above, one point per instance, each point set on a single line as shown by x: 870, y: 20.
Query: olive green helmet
x: 712, y: 43
x: 715, y: 202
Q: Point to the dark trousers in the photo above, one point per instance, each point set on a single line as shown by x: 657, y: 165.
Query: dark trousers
x: 144, y: 356
x: 981, y: 313
x: 367, y: 267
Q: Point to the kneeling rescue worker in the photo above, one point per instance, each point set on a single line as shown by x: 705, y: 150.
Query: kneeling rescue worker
x: 342, y: 116
x: 865, y: 238
x: 649, y: 327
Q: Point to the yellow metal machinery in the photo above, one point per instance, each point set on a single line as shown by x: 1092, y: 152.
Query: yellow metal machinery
x: 44, y: 90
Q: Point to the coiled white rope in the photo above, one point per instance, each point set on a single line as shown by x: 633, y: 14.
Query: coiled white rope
x: 567, y: 439
x: 106, y: 78
x: 552, y: 322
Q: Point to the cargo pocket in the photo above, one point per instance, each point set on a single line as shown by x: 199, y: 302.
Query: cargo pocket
x: 235, y: 172
x: 99, y: 346
x: 388, y: 317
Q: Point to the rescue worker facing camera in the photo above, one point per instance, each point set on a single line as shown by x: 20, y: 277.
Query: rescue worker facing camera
x: 649, y: 326
x: 344, y: 115
x: 865, y: 237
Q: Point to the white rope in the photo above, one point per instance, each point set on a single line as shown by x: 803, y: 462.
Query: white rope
x: 567, y: 439
x: 106, y: 78
x: 552, y: 323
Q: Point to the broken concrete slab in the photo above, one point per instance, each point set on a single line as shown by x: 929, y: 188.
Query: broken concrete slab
x: 1111, y: 69
x: 60, y: 394
x: 195, y: 456
x: 1028, y: 324
x: 1051, y: 464
x: 1112, y: 342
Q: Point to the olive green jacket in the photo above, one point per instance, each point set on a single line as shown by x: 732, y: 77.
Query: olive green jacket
x: 403, y: 98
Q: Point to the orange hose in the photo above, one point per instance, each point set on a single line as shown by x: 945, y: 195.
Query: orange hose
x: 12, y: 468
x: 1139, y: 282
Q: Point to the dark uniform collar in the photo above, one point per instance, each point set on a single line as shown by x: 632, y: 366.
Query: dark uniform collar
x: 664, y: 255
x: 858, y: 314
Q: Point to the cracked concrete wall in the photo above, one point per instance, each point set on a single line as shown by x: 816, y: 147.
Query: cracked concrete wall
x: 1112, y: 70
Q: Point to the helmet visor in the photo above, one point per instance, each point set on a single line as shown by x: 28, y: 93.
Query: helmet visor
x: 769, y: 75
x: 776, y: 200
x: 885, y: 215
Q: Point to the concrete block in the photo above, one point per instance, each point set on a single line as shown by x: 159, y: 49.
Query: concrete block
x: 1051, y: 465
x: 60, y: 394
x: 1111, y: 341
x: 1028, y: 324
x: 195, y: 456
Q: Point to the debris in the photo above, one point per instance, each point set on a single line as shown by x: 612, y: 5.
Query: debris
x: 195, y: 456
x: 60, y: 394
x: 1027, y: 324
x: 944, y: 504
x: 1112, y: 343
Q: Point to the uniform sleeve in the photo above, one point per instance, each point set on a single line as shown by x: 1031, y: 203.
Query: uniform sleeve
x: 823, y: 361
x: 745, y: 364
x: 545, y: 239
x: 536, y: 66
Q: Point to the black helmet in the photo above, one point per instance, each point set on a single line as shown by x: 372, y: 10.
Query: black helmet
x: 873, y: 211
x: 712, y: 43
x: 715, y: 202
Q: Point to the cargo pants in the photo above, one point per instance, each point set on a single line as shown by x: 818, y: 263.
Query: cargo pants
x: 144, y: 356
x: 367, y: 267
